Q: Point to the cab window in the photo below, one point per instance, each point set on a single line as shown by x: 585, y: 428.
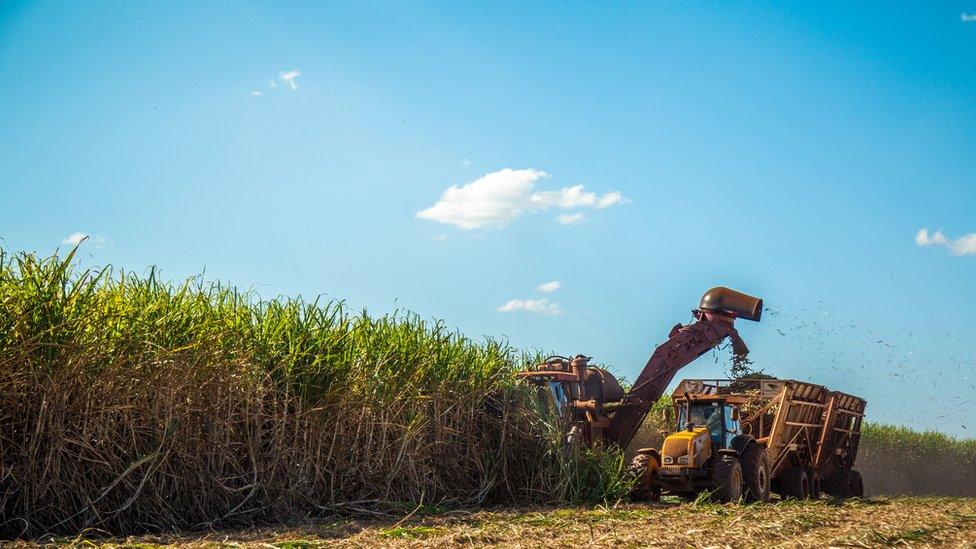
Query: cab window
x: 718, y: 418
x: 731, y: 426
x: 704, y: 414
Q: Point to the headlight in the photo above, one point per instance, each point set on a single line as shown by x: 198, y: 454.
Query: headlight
x: 668, y: 460
x: 683, y: 460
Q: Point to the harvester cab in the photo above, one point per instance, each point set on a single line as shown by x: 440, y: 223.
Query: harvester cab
x: 581, y: 394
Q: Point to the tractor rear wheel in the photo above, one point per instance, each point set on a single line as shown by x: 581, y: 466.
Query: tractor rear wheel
x: 726, y: 479
x: 755, y: 473
x: 813, y: 477
x: 838, y: 484
x: 643, y: 471
x: 794, y: 484
x: 857, y: 485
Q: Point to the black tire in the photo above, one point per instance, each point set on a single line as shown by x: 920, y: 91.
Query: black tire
x: 645, y: 486
x: 794, y: 484
x: 755, y: 473
x: 813, y: 478
x: 857, y: 485
x: 838, y: 484
x: 726, y: 479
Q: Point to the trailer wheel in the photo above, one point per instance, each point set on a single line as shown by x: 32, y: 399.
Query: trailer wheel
x: 755, y: 472
x: 794, y: 484
x: 813, y: 478
x: 643, y: 471
x: 838, y: 484
x: 857, y: 485
x: 726, y: 479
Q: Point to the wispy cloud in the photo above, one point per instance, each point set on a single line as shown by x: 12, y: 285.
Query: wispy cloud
x: 571, y: 219
x: 964, y: 245
x: 968, y: 17
x: 549, y: 287
x: 75, y: 239
x: 497, y: 198
x: 575, y: 197
x: 923, y: 238
x: 534, y: 306
x: 288, y: 77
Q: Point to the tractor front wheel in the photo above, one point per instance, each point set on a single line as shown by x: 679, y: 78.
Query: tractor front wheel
x: 643, y: 472
x: 726, y: 479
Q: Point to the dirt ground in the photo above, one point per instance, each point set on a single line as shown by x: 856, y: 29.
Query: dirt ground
x: 874, y: 522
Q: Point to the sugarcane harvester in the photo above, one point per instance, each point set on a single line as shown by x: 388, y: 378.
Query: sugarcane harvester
x: 741, y: 438
x: 591, y: 399
x: 593, y: 394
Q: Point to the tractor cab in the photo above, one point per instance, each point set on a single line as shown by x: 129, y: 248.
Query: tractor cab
x: 705, y: 425
x: 707, y: 420
x: 716, y: 415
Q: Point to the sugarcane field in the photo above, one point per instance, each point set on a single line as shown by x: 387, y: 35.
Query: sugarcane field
x: 431, y: 274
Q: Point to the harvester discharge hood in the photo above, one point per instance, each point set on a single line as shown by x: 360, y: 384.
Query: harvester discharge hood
x: 728, y: 302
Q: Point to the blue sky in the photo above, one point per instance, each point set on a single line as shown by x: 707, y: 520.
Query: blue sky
x: 792, y: 151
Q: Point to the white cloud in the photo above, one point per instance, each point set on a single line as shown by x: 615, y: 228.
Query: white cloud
x: 74, y: 239
x: 495, y: 199
x: 968, y: 17
x: 549, y: 287
x: 490, y: 201
x: 922, y: 238
x: 440, y: 237
x: 534, y: 306
x: 289, y: 78
x: 964, y: 245
x: 256, y: 93
x: 575, y: 197
x: 571, y: 219
x: 272, y: 83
